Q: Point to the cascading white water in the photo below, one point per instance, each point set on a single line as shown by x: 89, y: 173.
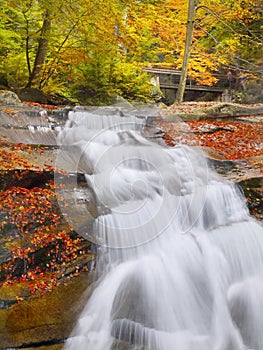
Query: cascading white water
x: 181, y: 259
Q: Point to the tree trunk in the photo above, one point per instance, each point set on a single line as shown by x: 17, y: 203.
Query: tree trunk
x: 35, y: 76
x: 192, y: 5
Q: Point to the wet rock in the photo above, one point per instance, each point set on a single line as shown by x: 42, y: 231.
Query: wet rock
x: 5, y: 304
x: 24, y: 178
x: 9, y: 98
x: 49, y: 347
x: 253, y: 191
x: 45, y: 320
x: 247, y: 177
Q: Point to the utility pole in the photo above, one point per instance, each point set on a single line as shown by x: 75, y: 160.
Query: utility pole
x: 192, y: 6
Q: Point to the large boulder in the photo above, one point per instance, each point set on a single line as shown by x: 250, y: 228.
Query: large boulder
x: 9, y: 98
x: 33, y: 95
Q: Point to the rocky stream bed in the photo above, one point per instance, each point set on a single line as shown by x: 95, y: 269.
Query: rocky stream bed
x: 45, y: 266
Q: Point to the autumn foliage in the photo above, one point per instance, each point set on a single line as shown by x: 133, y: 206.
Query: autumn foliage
x: 40, y: 242
x: 229, y: 139
x: 40, y: 248
x: 93, y: 50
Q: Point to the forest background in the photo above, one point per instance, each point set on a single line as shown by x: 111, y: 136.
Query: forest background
x: 91, y: 51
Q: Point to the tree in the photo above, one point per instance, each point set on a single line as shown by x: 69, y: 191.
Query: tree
x: 192, y: 5
x: 71, y: 46
x: 43, y: 30
x: 42, y: 47
x: 235, y: 42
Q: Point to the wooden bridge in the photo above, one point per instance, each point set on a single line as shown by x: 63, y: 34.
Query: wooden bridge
x: 168, y: 81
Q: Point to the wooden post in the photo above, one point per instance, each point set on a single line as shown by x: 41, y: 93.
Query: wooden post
x: 192, y: 5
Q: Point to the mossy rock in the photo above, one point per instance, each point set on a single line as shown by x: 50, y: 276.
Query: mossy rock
x: 230, y: 110
x: 9, y: 98
x: 218, y: 110
x: 48, y: 318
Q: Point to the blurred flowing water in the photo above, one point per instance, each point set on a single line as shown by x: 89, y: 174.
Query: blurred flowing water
x: 180, y: 259
x: 31, y: 125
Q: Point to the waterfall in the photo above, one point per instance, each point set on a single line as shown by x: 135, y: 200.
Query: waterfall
x: 31, y: 125
x: 180, y: 259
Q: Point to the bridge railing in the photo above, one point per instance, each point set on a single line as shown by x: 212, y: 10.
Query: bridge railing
x: 169, y: 79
